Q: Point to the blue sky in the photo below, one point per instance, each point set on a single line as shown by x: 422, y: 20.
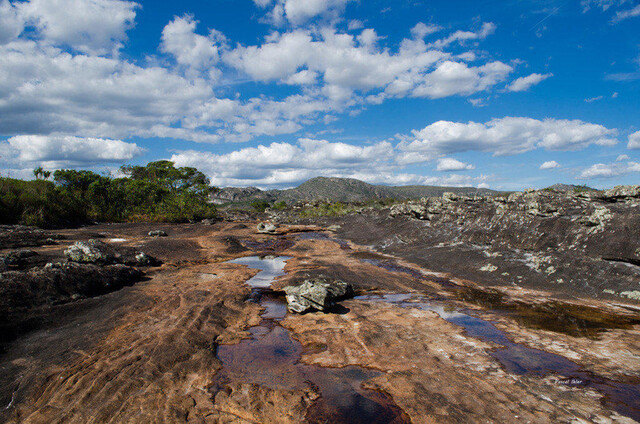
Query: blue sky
x: 269, y: 93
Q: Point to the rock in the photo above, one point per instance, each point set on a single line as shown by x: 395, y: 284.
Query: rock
x: 100, y: 253
x: 333, y: 228
x: 316, y: 295
x: 142, y: 259
x: 208, y: 221
x: 621, y: 193
x: 157, y: 233
x: 92, y: 252
x: 413, y: 210
x: 267, y: 228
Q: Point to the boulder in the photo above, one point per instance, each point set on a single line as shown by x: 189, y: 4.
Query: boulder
x: 316, y: 295
x: 157, y: 233
x: 90, y: 252
x: 267, y: 228
x: 100, y: 253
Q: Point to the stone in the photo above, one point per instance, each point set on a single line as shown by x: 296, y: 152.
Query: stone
x: 157, y: 233
x: 92, y: 251
x: 316, y: 295
x: 267, y: 228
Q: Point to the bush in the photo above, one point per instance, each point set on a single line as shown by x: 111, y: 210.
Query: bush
x: 260, y: 205
x: 156, y: 192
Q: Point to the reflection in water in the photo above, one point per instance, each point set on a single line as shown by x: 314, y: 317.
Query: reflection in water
x: 271, y: 267
x: 518, y: 359
x: 271, y: 357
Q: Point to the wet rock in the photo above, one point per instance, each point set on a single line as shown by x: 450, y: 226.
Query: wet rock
x: 317, y: 295
x: 90, y: 252
x: 267, y: 228
x: 157, y: 233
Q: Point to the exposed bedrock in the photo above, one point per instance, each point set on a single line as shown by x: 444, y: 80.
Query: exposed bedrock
x: 576, y: 242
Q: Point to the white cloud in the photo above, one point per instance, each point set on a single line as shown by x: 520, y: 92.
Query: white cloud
x: 356, y: 63
x: 524, y: 83
x: 188, y: 48
x: 421, y: 30
x: 601, y: 170
x: 487, y: 29
x: 450, y: 164
x: 506, y: 136
x: 287, y: 164
x: 634, y: 140
x: 551, y: 164
x: 90, y: 26
x: 593, y: 99
x: 11, y: 23
x: 621, y: 158
x: 454, y: 78
x: 64, y: 151
x: 626, y: 14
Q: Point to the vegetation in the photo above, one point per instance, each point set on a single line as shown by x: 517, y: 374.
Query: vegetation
x: 156, y: 192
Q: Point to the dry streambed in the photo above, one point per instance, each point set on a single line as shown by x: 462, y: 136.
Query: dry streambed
x: 207, y: 338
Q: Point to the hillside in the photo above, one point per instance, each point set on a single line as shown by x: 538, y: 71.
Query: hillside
x: 340, y: 190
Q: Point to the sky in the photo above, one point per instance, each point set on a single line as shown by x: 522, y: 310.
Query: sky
x: 507, y: 94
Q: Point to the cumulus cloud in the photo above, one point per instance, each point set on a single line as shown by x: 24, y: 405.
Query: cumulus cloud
x: 65, y: 151
x: 506, y: 136
x: 610, y: 170
x: 347, y: 62
x: 189, y: 49
x: 551, y: 164
x: 450, y: 164
x: 288, y: 164
x: 90, y: 26
x: 622, y: 157
x: 11, y: 23
x: 634, y: 140
x: 524, y: 83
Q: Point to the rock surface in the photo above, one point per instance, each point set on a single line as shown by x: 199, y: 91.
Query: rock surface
x: 317, y: 295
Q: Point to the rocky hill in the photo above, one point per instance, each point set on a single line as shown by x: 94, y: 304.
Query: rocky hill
x: 340, y: 190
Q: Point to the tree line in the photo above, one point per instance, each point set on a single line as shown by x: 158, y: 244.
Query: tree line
x: 157, y: 192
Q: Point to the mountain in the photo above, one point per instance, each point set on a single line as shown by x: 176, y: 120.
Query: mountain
x: 340, y: 190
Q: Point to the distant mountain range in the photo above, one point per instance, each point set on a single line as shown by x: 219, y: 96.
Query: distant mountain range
x: 340, y: 190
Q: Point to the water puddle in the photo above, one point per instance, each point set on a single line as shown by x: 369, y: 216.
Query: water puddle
x: 566, y: 318
x: 270, y: 358
x: 518, y: 359
x: 271, y: 267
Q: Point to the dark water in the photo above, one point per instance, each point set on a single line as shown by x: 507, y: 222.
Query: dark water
x: 518, y: 359
x: 559, y: 317
x: 271, y: 358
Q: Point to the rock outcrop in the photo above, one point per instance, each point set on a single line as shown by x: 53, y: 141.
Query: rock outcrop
x: 267, y: 228
x: 157, y: 233
x: 100, y: 253
x: 317, y: 295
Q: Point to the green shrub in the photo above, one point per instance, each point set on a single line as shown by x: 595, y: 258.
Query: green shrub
x: 156, y: 192
x: 260, y: 205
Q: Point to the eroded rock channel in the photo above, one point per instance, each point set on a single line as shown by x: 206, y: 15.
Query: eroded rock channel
x: 206, y: 337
